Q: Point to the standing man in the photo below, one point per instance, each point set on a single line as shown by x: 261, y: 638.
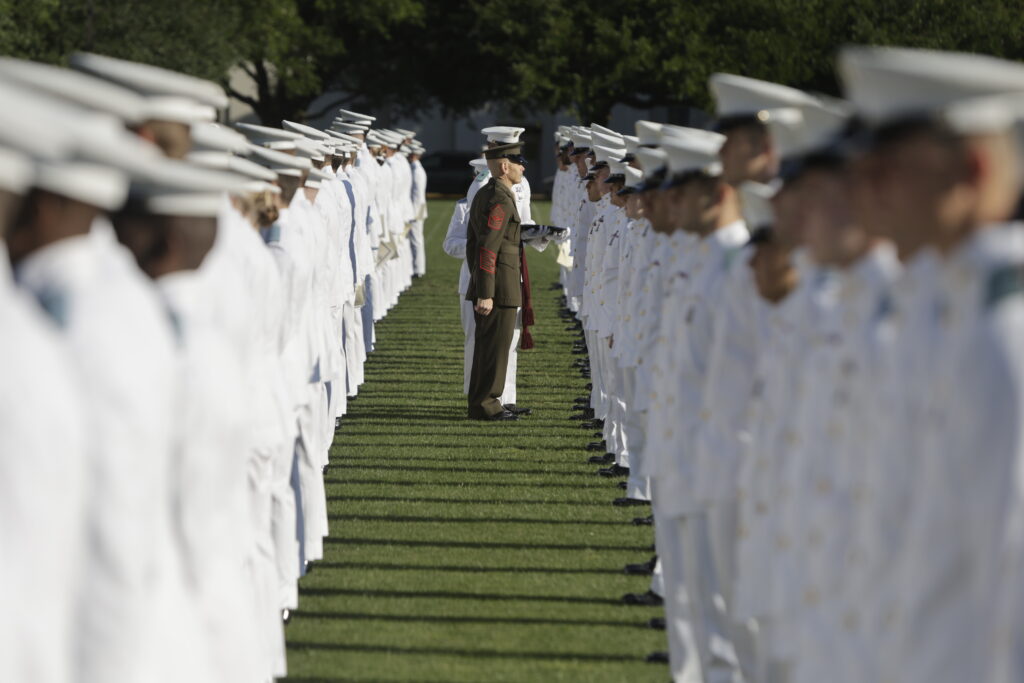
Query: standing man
x: 493, y: 256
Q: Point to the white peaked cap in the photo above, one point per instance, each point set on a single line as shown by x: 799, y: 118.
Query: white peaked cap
x: 696, y: 151
x: 406, y: 132
x: 279, y: 162
x: 617, y: 168
x: 151, y: 80
x: 607, y: 154
x: 75, y: 87
x: 597, y: 128
x: 631, y: 142
x: 178, y: 110
x: 36, y: 126
x: 634, y: 176
x: 345, y: 137
x: 16, y: 171
x: 302, y: 148
x: 94, y: 184
x: 503, y: 134
x: 887, y: 84
x: 320, y: 174
x: 669, y: 131
x: 581, y: 138
x: 222, y: 161
x: 260, y: 134
x: 756, y: 204
x: 349, y: 127
x: 350, y: 116
x: 651, y: 160
x: 171, y: 187
x: 737, y: 96
x: 303, y: 129
x: 799, y: 131
x: 648, y: 133
x: 215, y: 137
x: 606, y: 140
x: 479, y: 164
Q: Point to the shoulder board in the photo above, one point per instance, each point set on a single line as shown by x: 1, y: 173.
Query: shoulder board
x: 1004, y: 282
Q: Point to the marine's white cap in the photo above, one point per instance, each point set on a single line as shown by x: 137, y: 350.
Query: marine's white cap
x: 16, y: 171
x: 349, y: 127
x: 178, y: 110
x: 605, y: 155
x: 652, y: 160
x: 502, y: 134
x: 216, y: 137
x: 606, y: 140
x: 634, y: 177
x: 888, y: 84
x: 262, y: 134
x: 222, y: 161
x: 352, y: 116
x: 181, y: 188
x: 581, y: 139
x: 696, y: 151
x: 480, y: 164
x: 648, y: 133
x: 756, y: 204
x: 78, y: 88
x: 279, y: 162
x: 303, y: 129
x: 739, y: 98
x: 631, y: 142
x: 151, y: 80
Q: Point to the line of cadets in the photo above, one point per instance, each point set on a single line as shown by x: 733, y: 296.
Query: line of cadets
x: 805, y: 340
x: 186, y: 311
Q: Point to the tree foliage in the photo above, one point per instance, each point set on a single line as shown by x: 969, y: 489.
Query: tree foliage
x: 400, y: 57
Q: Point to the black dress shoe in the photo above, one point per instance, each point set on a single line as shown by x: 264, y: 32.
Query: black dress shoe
x: 614, y: 471
x: 597, y: 446
x: 642, y: 568
x: 503, y: 416
x: 648, y: 599
x: 606, y: 459
x: 657, y: 658
x: 579, y: 352
x: 589, y: 387
x: 622, y: 485
x: 644, y: 521
x: 513, y: 408
x: 587, y: 414
x: 657, y: 623
x: 599, y: 435
x: 629, y: 502
x: 594, y: 424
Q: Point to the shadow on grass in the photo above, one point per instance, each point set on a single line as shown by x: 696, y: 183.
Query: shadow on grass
x: 456, y: 652
x: 480, y: 545
x: 475, y: 520
x: 463, y: 501
x: 376, y: 566
x: 454, y: 595
x: 447, y: 619
x: 462, y: 484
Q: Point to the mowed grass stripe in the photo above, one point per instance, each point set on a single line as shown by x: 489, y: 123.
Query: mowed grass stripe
x: 462, y: 551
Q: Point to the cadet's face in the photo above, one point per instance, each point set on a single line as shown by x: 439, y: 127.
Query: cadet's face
x: 593, y: 193
x: 634, y: 205
x: 830, y: 233
x: 616, y: 198
x: 647, y: 204
x: 747, y: 155
x: 662, y: 213
x: 908, y: 182
x: 600, y: 176
x: 693, y: 204
x: 774, y: 274
x: 46, y: 218
x: 788, y: 206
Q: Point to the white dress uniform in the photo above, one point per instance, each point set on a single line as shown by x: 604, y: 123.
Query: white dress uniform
x: 970, y: 446
x: 419, y: 206
x: 212, y: 506
x: 121, y: 343
x: 43, y: 503
x: 834, y: 492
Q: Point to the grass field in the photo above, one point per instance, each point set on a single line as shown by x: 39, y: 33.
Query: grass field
x: 466, y: 551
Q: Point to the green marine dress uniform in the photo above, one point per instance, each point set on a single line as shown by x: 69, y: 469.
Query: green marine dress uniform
x: 492, y: 254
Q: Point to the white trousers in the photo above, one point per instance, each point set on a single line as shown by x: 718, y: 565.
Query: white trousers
x: 638, y: 485
x: 684, y: 662
x: 508, y: 395
x: 419, y: 253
